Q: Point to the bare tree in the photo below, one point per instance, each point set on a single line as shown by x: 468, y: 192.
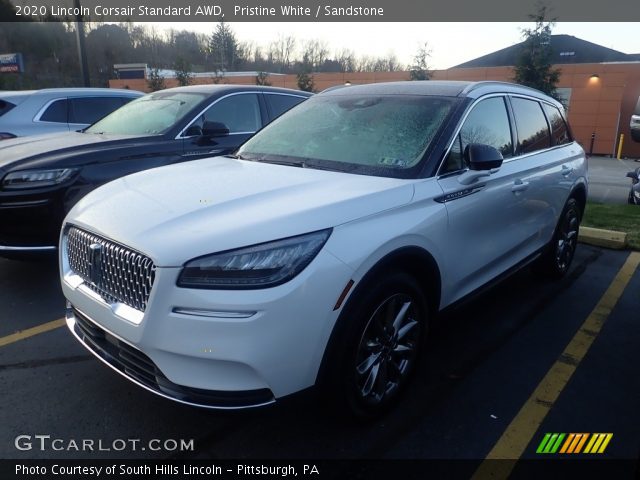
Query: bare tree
x: 314, y: 54
x: 347, y: 60
x: 281, y: 52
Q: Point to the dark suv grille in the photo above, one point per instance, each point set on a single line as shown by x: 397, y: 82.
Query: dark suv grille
x: 114, y: 271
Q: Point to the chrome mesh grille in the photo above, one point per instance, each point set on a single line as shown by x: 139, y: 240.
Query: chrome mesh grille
x: 123, y: 275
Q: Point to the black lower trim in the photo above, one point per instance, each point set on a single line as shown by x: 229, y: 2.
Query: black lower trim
x: 495, y: 281
x: 137, y: 366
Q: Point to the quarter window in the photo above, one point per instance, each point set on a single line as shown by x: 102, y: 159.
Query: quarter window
x: 533, y: 131
x: 559, y: 130
x: 56, y: 112
x: 488, y: 123
x: 278, y: 104
x: 240, y: 113
x: 5, y: 107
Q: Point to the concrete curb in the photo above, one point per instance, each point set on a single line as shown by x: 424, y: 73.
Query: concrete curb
x: 603, y: 238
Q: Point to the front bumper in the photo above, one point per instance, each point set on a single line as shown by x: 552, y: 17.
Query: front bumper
x: 211, y: 348
x: 29, y: 223
x: 140, y: 369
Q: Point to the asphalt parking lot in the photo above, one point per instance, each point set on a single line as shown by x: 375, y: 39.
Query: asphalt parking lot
x: 607, y: 179
x: 526, y: 358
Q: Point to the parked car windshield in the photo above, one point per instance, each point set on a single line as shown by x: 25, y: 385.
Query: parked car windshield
x: 370, y: 134
x: 152, y: 114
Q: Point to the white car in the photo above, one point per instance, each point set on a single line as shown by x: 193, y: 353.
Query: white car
x: 319, y: 253
x: 634, y: 125
x: 53, y: 110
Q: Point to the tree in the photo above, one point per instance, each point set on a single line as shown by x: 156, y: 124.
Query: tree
x: 156, y: 80
x: 7, y: 12
x: 420, y: 68
x: 534, y: 68
x: 314, y: 54
x: 347, y: 60
x: 263, y: 79
x: 183, y: 72
x: 305, y: 81
x: 224, y: 48
x: 280, y: 52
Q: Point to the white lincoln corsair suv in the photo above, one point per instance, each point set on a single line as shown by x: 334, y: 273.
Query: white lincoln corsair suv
x: 319, y: 252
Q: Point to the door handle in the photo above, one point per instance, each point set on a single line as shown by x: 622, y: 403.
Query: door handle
x: 472, y: 176
x: 519, y: 186
x: 566, y: 170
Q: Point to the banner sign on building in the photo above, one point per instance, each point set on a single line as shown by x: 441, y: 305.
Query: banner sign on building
x: 11, y: 62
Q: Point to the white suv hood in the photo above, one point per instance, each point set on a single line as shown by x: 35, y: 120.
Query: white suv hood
x: 183, y: 211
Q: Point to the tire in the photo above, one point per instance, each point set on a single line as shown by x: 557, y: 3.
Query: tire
x: 383, y: 328
x: 555, y: 262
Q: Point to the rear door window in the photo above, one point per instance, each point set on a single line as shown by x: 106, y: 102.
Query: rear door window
x: 240, y: 113
x: 278, y: 104
x: 533, y: 131
x: 56, y: 112
x: 89, y: 110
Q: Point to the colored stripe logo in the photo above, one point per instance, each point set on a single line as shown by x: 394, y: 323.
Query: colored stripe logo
x: 574, y: 443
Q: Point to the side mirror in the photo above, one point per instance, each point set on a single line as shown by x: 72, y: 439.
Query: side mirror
x: 634, y: 175
x: 193, y: 131
x: 482, y: 157
x: 214, y: 129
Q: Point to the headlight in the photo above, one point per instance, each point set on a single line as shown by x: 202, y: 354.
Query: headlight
x: 259, y: 266
x: 36, y: 178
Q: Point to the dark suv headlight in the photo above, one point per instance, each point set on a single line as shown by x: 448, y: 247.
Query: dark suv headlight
x: 36, y: 178
x: 259, y: 266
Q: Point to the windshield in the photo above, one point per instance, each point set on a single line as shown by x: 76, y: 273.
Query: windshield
x: 152, y: 114
x: 379, y: 134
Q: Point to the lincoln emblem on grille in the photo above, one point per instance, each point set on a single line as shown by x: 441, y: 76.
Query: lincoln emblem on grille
x: 95, y: 262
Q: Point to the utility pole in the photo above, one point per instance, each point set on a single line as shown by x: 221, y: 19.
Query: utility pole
x: 82, y: 54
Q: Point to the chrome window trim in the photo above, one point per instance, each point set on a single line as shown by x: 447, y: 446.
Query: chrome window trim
x: 180, y: 135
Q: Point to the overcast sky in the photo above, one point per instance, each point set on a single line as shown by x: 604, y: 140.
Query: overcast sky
x: 451, y: 43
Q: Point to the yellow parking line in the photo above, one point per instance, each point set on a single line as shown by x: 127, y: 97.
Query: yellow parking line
x: 513, y: 442
x: 30, y: 332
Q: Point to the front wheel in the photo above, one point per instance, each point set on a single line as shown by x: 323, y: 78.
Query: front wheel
x: 556, y: 261
x: 386, y: 326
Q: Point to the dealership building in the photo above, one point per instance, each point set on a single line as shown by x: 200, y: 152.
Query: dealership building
x: 600, y: 86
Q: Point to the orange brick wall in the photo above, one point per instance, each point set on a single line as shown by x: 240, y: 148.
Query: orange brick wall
x: 602, y: 106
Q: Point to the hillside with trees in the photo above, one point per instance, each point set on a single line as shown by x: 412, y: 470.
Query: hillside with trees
x: 51, y: 58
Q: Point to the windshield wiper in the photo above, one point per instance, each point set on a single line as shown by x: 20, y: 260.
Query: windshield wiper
x: 289, y: 163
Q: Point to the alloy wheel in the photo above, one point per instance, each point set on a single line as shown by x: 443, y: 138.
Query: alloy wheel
x: 567, y: 239
x: 387, y: 349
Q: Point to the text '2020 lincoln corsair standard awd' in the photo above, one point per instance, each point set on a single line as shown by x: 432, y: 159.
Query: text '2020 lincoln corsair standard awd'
x: 318, y: 254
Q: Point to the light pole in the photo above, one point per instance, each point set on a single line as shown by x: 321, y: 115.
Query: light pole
x: 82, y: 54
